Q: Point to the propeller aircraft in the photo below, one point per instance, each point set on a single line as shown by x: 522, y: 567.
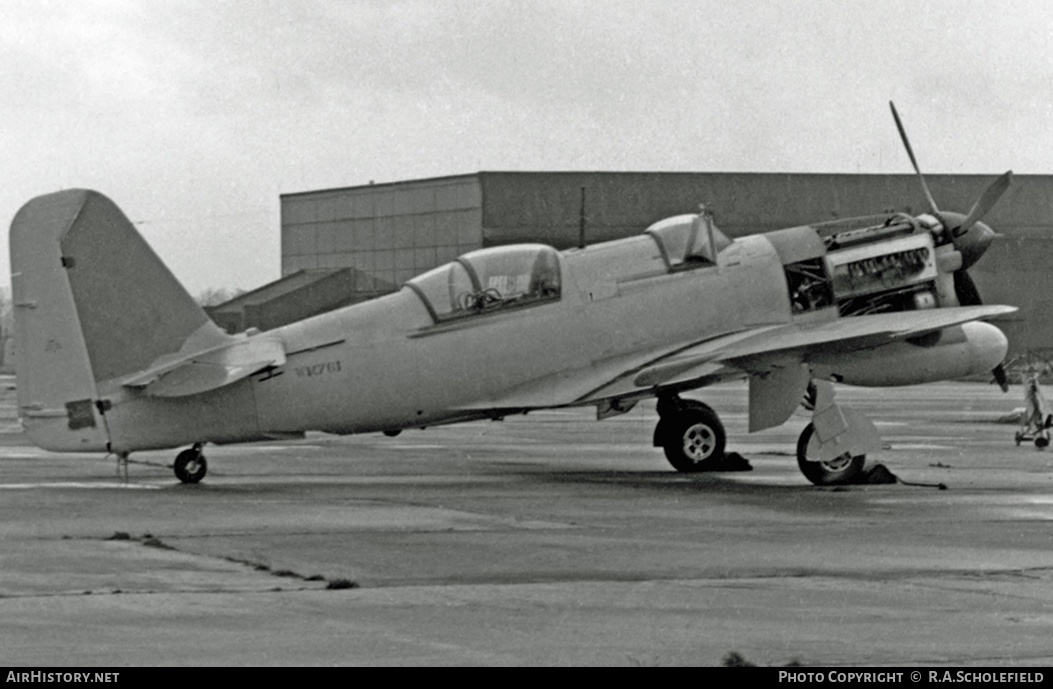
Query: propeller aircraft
x: 115, y: 356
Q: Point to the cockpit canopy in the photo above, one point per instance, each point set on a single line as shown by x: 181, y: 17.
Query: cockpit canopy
x: 688, y: 240
x: 490, y: 279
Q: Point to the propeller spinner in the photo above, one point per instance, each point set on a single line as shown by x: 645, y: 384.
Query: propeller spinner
x: 970, y: 236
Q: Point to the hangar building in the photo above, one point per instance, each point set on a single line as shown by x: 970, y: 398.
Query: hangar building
x: 390, y: 232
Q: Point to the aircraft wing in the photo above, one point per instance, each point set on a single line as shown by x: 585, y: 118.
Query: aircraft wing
x: 757, y: 351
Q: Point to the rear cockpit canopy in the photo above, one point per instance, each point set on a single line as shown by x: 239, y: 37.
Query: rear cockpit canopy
x: 490, y: 279
x: 689, y: 240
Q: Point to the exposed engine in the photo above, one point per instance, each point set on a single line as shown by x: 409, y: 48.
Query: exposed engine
x: 883, y: 264
x: 899, y: 263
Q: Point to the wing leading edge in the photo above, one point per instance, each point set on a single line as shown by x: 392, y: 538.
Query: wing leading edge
x: 772, y: 356
x: 759, y: 351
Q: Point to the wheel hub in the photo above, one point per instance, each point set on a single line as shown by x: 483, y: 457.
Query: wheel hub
x: 699, y: 441
x: 838, y: 463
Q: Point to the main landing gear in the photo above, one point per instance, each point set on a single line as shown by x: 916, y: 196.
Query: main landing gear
x: 830, y: 451
x: 190, y: 465
x: 692, y: 436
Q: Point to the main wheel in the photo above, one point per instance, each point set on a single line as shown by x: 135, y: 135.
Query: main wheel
x: 693, y: 438
x: 190, y: 466
x: 836, y: 471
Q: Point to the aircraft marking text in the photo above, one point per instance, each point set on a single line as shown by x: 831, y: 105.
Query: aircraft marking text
x: 317, y: 369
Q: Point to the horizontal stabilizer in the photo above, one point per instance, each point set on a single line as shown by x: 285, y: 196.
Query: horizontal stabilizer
x: 210, y: 369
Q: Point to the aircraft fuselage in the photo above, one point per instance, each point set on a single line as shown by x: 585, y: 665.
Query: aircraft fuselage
x: 386, y: 364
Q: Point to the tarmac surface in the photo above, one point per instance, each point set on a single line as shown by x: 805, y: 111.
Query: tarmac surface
x: 550, y: 539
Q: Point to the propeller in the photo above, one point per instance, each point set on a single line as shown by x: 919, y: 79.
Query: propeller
x: 1001, y: 377
x: 970, y: 236
x: 986, y: 201
x: 914, y: 161
x: 965, y: 288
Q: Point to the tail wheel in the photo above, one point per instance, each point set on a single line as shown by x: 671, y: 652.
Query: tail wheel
x: 693, y: 439
x: 190, y: 466
x: 837, y: 471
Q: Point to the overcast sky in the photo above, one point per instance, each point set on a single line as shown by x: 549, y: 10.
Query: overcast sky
x: 194, y: 115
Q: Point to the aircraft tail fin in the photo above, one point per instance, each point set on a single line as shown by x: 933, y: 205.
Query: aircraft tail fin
x: 93, y: 303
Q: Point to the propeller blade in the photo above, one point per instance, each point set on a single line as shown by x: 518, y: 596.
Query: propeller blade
x: 986, y: 202
x: 1001, y: 378
x: 964, y: 286
x: 910, y: 152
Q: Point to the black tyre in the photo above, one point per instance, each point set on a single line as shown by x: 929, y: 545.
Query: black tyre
x: 190, y: 466
x: 693, y: 438
x: 837, y: 471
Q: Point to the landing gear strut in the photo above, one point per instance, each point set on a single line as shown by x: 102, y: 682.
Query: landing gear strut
x: 691, y: 435
x: 832, y: 449
x: 190, y: 465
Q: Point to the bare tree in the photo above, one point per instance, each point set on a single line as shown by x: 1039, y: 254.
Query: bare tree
x: 213, y: 296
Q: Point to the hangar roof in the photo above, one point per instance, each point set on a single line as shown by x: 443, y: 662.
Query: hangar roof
x: 272, y: 290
